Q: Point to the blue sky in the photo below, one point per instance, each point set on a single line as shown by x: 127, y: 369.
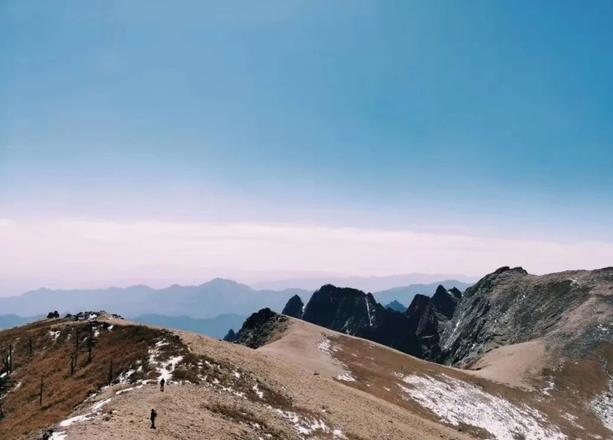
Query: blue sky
x: 485, y: 118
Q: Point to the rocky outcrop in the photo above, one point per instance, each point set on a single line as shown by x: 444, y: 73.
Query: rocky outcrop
x: 428, y: 317
x: 354, y: 312
x: 414, y: 330
x: 294, y: 307
x: 260, y: 328
x: 231, y: 336
x: 343, y: 309
x: 445, y: 302
x: 572, y: 311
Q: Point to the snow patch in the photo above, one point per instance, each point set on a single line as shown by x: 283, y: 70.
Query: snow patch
x: 61, y: 435
x: 90, y: 415
x: 100, y: 404
x: 124, y: 377
x: 304, y: 425
x: 125, y: 390
x: 368, y: 311
x: 166, y: 368
x: 76, y: 419
x: 458, y: 402
x: 346, y: 377
x: 572, y: 419
x: 602, y: 406
x: 163, y: 368
x: 337, y: 433
x: 453, y: 332
x: 549, y: 386
x: 257, y: 391
x: 327, y: 347
x: 54, y: 334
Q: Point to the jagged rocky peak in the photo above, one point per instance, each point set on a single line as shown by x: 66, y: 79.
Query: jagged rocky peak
x: 503, y: 269
x: 294, y: 307
x: 260, y: 328
x: 501, y: 275
x: 444, y: 302
x: 342, y: 309
x: 456, y: 292
x: 419, y: 305
x: 357, y: 313
x: 230, y: 336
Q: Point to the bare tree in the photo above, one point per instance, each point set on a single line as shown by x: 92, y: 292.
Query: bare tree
x: 40, y: 397
x: 90, y: 342
x: 73, y: 363
x: 110, y: 379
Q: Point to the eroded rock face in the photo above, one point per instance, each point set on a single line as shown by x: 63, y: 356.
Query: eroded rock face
x: 428, y: 317
x: 354, y: 312
x: 342, y: 309
x: 294, y: 307
x: 573, y: 310
x: 260, y: 328
x: 445, y: 302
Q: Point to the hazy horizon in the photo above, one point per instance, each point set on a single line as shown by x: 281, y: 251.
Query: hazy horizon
x: 145, y: 143
x: 268, y: 281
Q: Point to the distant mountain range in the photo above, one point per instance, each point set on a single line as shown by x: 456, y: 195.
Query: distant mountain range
x: 367, y: 284
x: 214, y: 327
x: 209, y: 300
x: 396, y: 307
x: 405, y: 295
x: 8, y: 321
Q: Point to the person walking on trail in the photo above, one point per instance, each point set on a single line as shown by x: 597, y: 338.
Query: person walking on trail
x: 162, y: 383
x: 152, y: 418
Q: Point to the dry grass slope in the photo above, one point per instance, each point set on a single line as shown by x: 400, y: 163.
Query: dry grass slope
x: 53, y: 343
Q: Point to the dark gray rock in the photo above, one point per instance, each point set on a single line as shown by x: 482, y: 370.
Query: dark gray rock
x: 260, y: 328
x: 294, y: 307
x: 231, y: 336
x: 572, y: 311
x: 354, y: 312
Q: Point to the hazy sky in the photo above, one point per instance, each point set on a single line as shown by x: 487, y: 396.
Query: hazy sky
x: 157, y: 141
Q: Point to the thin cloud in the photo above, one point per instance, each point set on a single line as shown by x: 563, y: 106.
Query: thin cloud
x: 73, y: 253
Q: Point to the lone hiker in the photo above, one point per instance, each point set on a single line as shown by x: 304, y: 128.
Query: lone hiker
x: 162, y: 383
x: 152, y: 418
